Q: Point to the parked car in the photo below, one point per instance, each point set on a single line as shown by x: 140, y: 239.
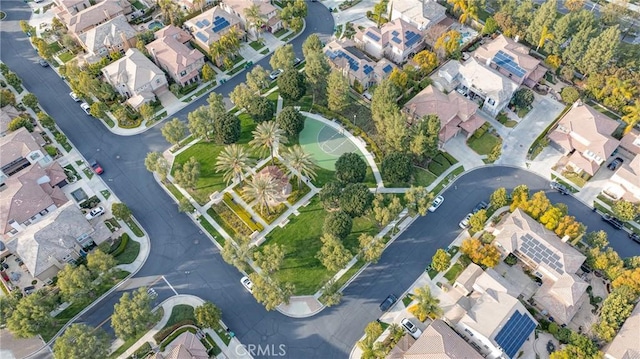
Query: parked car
x: 436, y: 203
x: 479, y: 206
x: 19, y: 261
x: 465, y: 222
x: 560, y: 188
x: 635, y: 237
x: 616, y: 223
x: 96, y: 212
x: 96, y: 167
x: 43, y: 63
x: 615, y: 163
x: 388, y: 302
x: 86, y: 108
x: 247, y: 283
x: 411, y: 328
x: 296, y: 61
x: 75, y: 97
x: 4, y: 266
x: 275, y: 74
x: 30, y: 289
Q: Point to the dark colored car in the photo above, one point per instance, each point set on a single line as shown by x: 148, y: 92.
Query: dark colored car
x: 613, y: 221
x: 43, y: 63
x: 30, y: 289
x: 635, y: 237
x: 4, y: 266
x: 96, y: 167
x: 550, y: 347
x: 388, y: 302
x: 560, y: 188
x: 479, y: 206
x: 19, y: 261
x: 615, y: 163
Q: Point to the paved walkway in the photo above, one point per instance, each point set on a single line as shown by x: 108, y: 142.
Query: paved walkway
x: 457, y: 147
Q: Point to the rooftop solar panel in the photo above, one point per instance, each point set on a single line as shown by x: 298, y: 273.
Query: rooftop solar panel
x: 367, y: 69
x: 515, y: 332
x: 396, y: 40
x: 507, y: 62
x: 411, y: 38
x: 395, y: 33
x: 199, y: 24
x: 206, y: 22
x: 201, y: 36
x: 373, y: 36
x: 387, y: 69
x: 540, y: 253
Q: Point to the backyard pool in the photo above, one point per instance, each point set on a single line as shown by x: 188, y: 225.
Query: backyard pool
x: 155, y: 25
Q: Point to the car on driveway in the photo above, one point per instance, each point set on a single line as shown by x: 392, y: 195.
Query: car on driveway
x: 634, y: 237
x: 615, y: 163
x: 411, y: 328
x: 560, y: 188
x: 479, y: 206
x: 275, y: 74
x: 247, y: 283
x: 86, y: 108
x: 96, y: 167
x: 96, y: 212
x: 613, y: 221
x: 436, y: 203
x: 75, y: 97
x: 388, y: 302
x: 464, y: 224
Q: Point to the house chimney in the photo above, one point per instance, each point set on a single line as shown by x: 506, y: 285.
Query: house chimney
x: 125, y: 41
x: 565, y: 239
x: 153, y: 53
x: 106, y: 14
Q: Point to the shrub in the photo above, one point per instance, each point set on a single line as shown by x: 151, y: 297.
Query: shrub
x: 436, y: 168
x: 569, y: 94
x: 124, y: 240
x: 51, y: 150
x: 165, y: 332
x: 90, y: 202
x: 241, y: 213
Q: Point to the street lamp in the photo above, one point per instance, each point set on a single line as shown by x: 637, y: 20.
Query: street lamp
x: 354, y: 119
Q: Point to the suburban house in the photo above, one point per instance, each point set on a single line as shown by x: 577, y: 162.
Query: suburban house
x: 7, y: 114
x: 512, y: 60
x: 78, y: 17
x: 171, y: 53
x: 626, y: 345
x: 456, y: 113
x: 474, y: 279
x: 584, y: 136
x: 421, y: 13
x: 477, y: 82
x: 550, y: 258
x: 396, y: 40
x: 625, y: 182
x: 268, y: 12
x: 191, y: 5
x: 208, y: 27
x: 58, y: 239
x: 356, y: 65
x: 493, y: 321
x: 185, y: 346
x: 113, y: 35
x: 136, y: 77
x: 439, y: 341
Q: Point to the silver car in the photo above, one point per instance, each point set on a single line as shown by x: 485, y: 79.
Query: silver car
x: 413, y: 330
x: 464, y: 224
x: 436, y: 203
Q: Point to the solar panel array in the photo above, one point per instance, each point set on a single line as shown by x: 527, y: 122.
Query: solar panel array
x: 353, y: 64
x: 507, y: 62
x: 395, y: 33
x: 202, y: 37
x: 367, y: 69
x: 387, y: 69
x: 410, y: 38
x: 373, y: 36
x: 199, y: 24
x: 220, y: 23
x: 540, y: 253
x: 511, y: 337
x: 396, y: 40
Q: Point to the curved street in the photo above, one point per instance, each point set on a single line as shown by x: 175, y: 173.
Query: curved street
x: 191, y: 263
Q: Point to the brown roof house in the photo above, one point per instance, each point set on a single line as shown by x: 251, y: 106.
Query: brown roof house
x: 584, y: 135
x: 58, y: 239
x: 512, y: 60
x: 185, y: 346
x: 208, y: 27
x: 396, y: 40
x: 20, y: 149
x: 550, y: 258
x: 625, y: 182
x: 456, y: 113
x: 113, y: 35
x: 439, y: 341
x: 170, y: 52
x: 79, y: 18
x: 355, y: 64
x: 269, y: 13
x: 7, y: 114
x: 421, y: 13
x: 136, y: 77
x: 626, y: 345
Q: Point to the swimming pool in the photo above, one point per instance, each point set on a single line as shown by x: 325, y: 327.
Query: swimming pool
x: 155, y: 25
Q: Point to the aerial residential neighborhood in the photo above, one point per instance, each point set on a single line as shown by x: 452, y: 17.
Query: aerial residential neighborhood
x: 320, y: 179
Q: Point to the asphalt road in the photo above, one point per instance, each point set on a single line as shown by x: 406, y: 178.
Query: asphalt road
x: 191, y: 263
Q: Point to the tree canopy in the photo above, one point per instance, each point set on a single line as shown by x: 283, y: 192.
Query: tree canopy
x: 338, y: 224
x: 350, y: 168
x: 80, y: 341
x: 356, y: 199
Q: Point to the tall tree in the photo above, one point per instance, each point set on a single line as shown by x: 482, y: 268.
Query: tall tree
x: 80, y: 341
x: 283, y: 58
x: 311, y: 44
x: 370, y: 248
x: 477, y: 220
x: 384, y: 104
x: 292, y: 85
x: 258, y: 79
x: 242, y: 96
x: 425, y: 140
x: 337, y: 224
x: 233, y: 161
x: 100, y: 263
x: 600, y: 51
x: 270, y: 258
x: 537, y: 205
x: 356, y: 199
x: 291, y: 122
x: 299, y: 163
x: 200, y: 122
x: 625, y: 210
x: 418, y: 200
x: 396, y: 167
x: 427, y: 61
x: 632, y: 116
x: 498, y: 198
x: 74, y: 283
x: 263, y: 189
x: 155, y: 162
x: 266, y: 137
x: 187, y: 174
x: 208, y: 73
x: 207, y: 315
x: 441, y: 260
x: 426, y: 304
x: 543, y: 18
x: 333, y: 255
x: 330, y: 195
x: 174, y: 131
x: 238, y: 253
x: 255, y: 19
x: 337, y: 91
x: 574, y: 5
x: 132, y: 315
x: 316, y: 70
x: 269, y: 291
x: 448, y: 43
x: 551, y: 218
x: 226, y: 129
x: 31, y: 315
x: 350, y: 168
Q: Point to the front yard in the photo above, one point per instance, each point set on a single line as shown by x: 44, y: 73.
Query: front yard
x: 484, y: 144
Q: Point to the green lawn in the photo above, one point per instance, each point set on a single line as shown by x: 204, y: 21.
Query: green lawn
x: 484, y: 144
x: 66, y: 56
x: 130, y: 253
x: 301, y: 242
x: 206, y: 153
x: 454, y: 272
x: 55, y: 47
x: 180, y: 312
x: 256, y: 45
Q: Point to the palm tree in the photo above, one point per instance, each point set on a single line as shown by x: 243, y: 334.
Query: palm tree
x: 544, y: 36
x: 233, y: 161
x: 467, y: 8
x: 426, y: 304
x: 232, y: 40
x: 218, y: 52
x: 301, y: 162
x: 255, y: 18
x: 266, y: 136
x: 632, y: 116
x: 371, y: 349
x: 263, y: 189
x: 200, y: 4
x: 170, y: 11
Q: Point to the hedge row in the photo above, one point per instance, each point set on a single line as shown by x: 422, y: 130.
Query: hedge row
x: 242, y: 213
x: 481, y: 131
x: 440, y: 163
x: 437, y: 168
x: 124, y: 240
x: 165, y: 332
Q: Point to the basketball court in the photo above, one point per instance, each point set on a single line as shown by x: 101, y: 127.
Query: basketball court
x: 325, y: 143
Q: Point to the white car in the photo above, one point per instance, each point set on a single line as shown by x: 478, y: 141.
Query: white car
x: 247, y: 283
x: 275, y: 74
x: 436, y: 203
x: 411, y: 328
x: 86, y: 108
x: 464, y: 224
x: 75, y: 96
x: 96, y: 212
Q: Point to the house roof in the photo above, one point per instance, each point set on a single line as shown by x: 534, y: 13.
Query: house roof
x: 397, y: 33
x: 185, y: 346
x: 174, y: 32
x: 584, y: 129
x: 7, y: 114
x: 439, y: 341
x: 134, y: 69
x: 421, y: 12
x: 487, y: 80
x: 109, y: 34
x: 209, y: 26
x: 92, y: 16
x: 173, y: 54
x: 469, y: 276
x: 631, y: 141
x: 589, y: 166
x: 626, y: 345
x: 517, y: 53
x: 628, y: 175
x: 519, y: 232
x: 344, y: 54
x: 240, y: 6
x: 490, y: 279
x: 17, y: 144
x: 398, y: 351
x: 561, y: 298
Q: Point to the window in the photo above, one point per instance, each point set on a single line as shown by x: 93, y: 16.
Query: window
x: 33, y: 218
x: 34, y: 156
x: 44, y: 211
x: 491, y: 102
x: 184, y: 72
x: 13, y: 231
x: 27, y: 222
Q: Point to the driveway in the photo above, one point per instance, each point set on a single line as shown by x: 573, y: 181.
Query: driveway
x: 457, y: 147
